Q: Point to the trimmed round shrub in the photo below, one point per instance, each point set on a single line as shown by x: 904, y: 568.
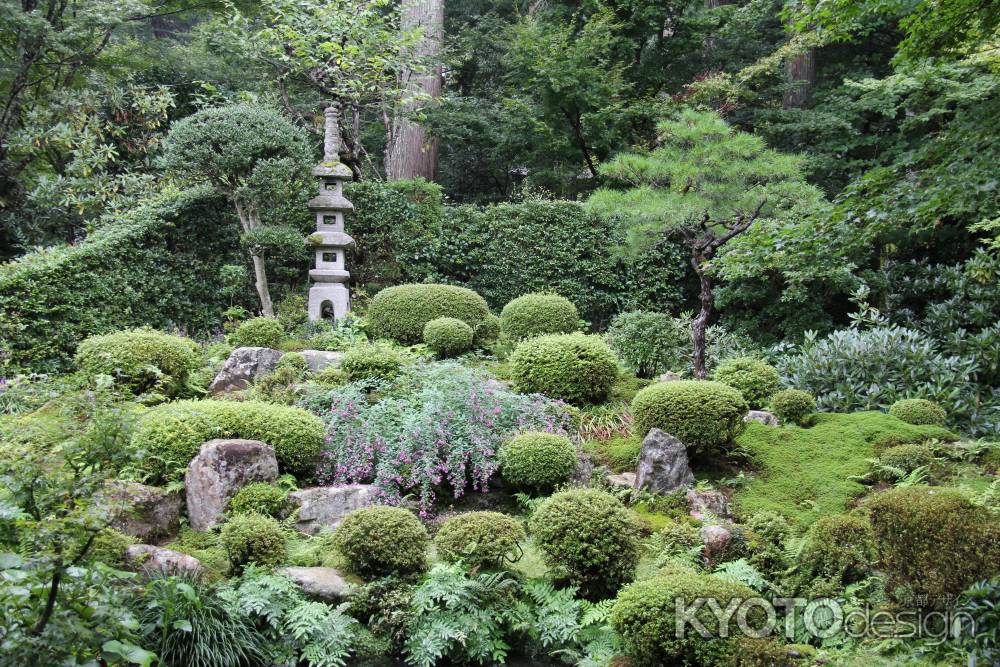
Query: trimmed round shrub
x: 573, y: 367
x: 933, y: 542
x: 401, y: 313
x: 293, y: 363
x: 258, y: 332
x: 253, y: 538
x: 139, y: 359
x: 371, y: 362
x: 259, y: 498
x: 487, y: 331
x: 537, y: 462
x: 919, y: 412
x: 479, y: 539
x: 907, y: 457
x: 589, y: 538
x: 170, y: 435
x: 753, y: 378
x: 644, y: 614
x: 382, y: 541
x: 793, y: 406
x: 700, y: 413
x: 538, y: 314
x: 839, y: 550
x: 448, y: 337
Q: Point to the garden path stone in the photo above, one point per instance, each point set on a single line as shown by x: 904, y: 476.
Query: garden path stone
x: 765, y: 418
x: 157, y: 560
x: 147, y: 513
x: 221, y: 468
x: 320, y: 359
x: 326, y: 506
x: 244, y: 365
x: 324, y: 583
x: 663, y: 464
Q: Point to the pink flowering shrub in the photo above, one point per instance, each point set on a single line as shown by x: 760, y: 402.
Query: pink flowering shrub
x: 438, y: 431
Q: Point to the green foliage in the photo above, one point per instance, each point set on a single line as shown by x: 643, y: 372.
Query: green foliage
x: 839, y: 550
x: 933, y: 542
x: 753, y: 378
x: 381, y: 541
x: 376, y: 362
x: 980, y: 603
x: 294, y: 363
x: 253, y: 538
x: 537, y: 314
x: 139, y: 359
x: 907, y: 458
x: 702, y: 414
x: 261, y: 498
x: 480, y: 539
x: 919, y: 411
x: 258, y: 332
x: 793, y: 406
x: 589, y: 538
x: 448, y: 337
x: 401, y: 313
x: 537, y: 462
x: 572, y: 367
x: 109, y: 547
x: 171, y: 435
x: 651, y: 343
x: 487, y: 331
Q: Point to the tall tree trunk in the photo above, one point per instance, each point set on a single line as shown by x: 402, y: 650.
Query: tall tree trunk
x: 707, y: 300
x: 411, y: 152
x: 801, y: 74
x: 249, y: 221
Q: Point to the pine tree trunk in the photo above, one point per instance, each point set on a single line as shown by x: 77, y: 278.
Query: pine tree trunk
x: 411, y: 153
x: 698, y: 328
x: 801, y: 74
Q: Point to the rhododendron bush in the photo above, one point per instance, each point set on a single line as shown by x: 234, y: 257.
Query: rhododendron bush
x: 438, y: 429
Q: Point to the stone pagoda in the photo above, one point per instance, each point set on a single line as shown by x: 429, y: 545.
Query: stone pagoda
x: 329, y: 291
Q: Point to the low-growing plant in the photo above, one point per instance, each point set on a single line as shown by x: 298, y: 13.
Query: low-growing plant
x: 253, y: 538
x: 793, y: 406
x: 754, y: 379
x: 537, y: 462
x: 919, y: 411
x: 382, y: 541
x: 258, y: 332
x: 538, y: 314
x: 702, y: 414
x: 371, y: 363
x: 448, y: 337
x: 839, y: 550
x: 480, y: 539
x: 572, y: 367
x: 259, y: 498
x: 139, y: 360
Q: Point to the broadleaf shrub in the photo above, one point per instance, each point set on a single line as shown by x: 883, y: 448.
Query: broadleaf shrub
x: 753, y: 378
x: 538, y: 314
x: 253, y: 538
x: 651, y: 343
x: 258, y: 332
x: 793, y: 406
x: 382, y: 541
x: 400, y: 313
x: 537, y: 462
x: 572, y: 367
x: 700, y: 413
x: 140, y: 359
x: 479, y: 539
x: 448, y: 337
x: 919, y: 411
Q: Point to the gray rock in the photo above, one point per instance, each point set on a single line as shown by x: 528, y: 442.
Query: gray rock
x: 663, y: 464
x: 716, y: 540
x: 244, y: 365
x: 156, y: 560
x: 706, y: 504
x: 322, y: 507
x: 145, y: 512
x: 765, y: 418
x: 669, y: 377
x: 584, y: 469
x: 324, y: 583
x: 320, y: 359
x: 221, y: 468
x: 625, y: 479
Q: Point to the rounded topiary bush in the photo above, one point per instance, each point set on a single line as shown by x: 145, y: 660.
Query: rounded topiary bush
x: 170, y: 435
x: 253, y: 538
x: 259, y: 498
x: 139, y: 359
x: 536, y: 315
x: 402, y: 312
x: 700, y: 413
x: 572, y: 367
x: 645, y: 615
x: 933, y: 542
x: 907, y: 457
x: 371, y: 362
x: 448, y: 337
x: 589, y: 538
x: 258, y: 332
x: 382, y: 541
x: 919, y: 412
x: 537, y: 462
x: 487, y: 331
x: 793, y: 406
x: 839, y: 550
x: 753, y: 378
x: 479, y: 539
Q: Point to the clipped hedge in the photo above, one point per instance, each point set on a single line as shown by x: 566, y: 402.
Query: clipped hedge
x: 537, y: 462
x: 793, y: 406
x: 139, y: 359
x: 753, y: 378
x: 170, y: 435
x: 371, y: 362
x: 400, y: 313
x: 536, y: 315
x: 258, y: 332
x: 479, y: 539
x: 572, y: 367
x: 700, y: 413
x: 448, y: 337
x: 382, y: 541
x: 253, y: 538
x: 919, y: 411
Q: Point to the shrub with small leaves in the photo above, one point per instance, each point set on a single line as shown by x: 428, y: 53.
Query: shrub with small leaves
x: 382, y: 541
x: 753, y: 378
x: 294, y: 363
x: 907, y: 458
x: 538, y: 314
x: 371, y: 362
x: 448, y: 337
x: 480, y: 539
x: 651, y: 343
x: 572, y: 367
x: 253, y: 538
x: 919, y: 411
x: 793, y: 406
x: 537, y: 462
x: 259, y: 498
x: 139, y: 360
x: 839, y: 550
x: 109, y: 547
x: 700, y: 413
x: 401, y: 312
x: 487, y: 331
x: 258, y: 332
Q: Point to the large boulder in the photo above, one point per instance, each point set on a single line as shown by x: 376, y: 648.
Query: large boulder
x: 155, y: 560
x: 220, y: 469
x: 762, y: 416
x: 663, y: 464
x: 324, y: 583
x: 147, y: 513
x: 322, y: 507
x: 320, y: 359
x: 244, y: 366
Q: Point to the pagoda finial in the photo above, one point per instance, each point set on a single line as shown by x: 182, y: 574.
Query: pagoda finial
x: 331, y: 137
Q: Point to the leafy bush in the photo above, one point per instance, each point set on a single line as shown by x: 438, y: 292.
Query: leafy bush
x: 907, y: 457
x: 380, y: 541
x: 651, y: 343
x: 109, y: 547
x: 644, y: 614
x: 538, y: 314
x: 258, y: 332
x: 170, y: 435
x: 839, y: 549
x: 402, y: 312
x: 139, y: 359
x: 793, y: 406
x: 919, y: 411
x: 442, y: 425
x: 294, y: 363
x: 537, y: 462
x: 259, y: 498
x: 371, y: 362
x: 253, y: 538
x: 571, y: 367
x: 588, y: 537
x: 979, y: 608
x: 933, y: 542
x: 700, y: 413
x: 753, y: 378
x: 479, y: 539
x: 487, y: 331
x: 448, y: 337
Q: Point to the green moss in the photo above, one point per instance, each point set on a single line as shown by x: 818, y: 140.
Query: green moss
x: 803, y: 473
x: 622, y: 454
